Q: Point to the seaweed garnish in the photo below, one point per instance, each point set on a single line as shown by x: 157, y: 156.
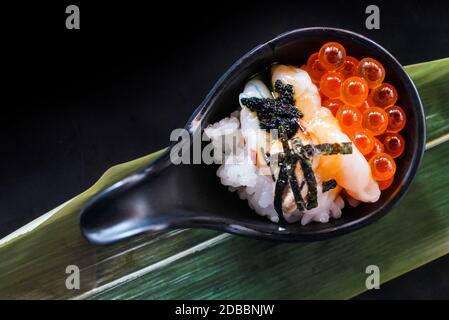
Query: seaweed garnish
x: 266, y: 157
x: 280, y: 113
x: 289, y: 163
x: 281, y: 183
x: 329, y: 185
x: 276, y: 112
x: 294, y: 152
x: 302, y: 154
x: 328, y: 149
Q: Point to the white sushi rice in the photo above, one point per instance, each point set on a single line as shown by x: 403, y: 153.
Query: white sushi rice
x: 238, y: 172
x: 232, y: 138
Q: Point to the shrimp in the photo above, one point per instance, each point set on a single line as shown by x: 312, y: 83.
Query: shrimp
x: 352, y: 171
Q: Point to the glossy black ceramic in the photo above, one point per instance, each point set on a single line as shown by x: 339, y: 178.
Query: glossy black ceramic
x: 164, y: 195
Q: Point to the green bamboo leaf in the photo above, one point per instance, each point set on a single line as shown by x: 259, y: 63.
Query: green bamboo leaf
x: 208, y: 264
x: 238, y: 268
x: 434, y: 93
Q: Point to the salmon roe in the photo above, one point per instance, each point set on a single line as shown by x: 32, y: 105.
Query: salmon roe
x: 349, y: 67
x: 382, y: 166
x: 364, y: 105
x: 363, y: 139
x: 384, y: 95
x: 372, y: 71
x: 349, y: 118
x: 333, y: 105
x: 332, y: 55
x: 396, y: 118
x: 354, y: 91
x: 375, y: 120
x: 385, y: 184
x: 394, y: 144
x: 378, y: 148
x: 330, y: 84
x: 314, y: 68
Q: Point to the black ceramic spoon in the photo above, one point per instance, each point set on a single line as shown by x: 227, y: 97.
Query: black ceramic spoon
x: 164, y: 195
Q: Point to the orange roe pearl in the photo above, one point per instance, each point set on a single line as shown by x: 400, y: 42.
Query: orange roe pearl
x: 364, y: 106
x: 349, y: 67
x: 394, y: 144
x: 349, y: 118
x: 382, y: 167
x: 375, y: 120
x: 384, y: 95
x: 372, y: 71
x: 314, y: 68
x: 369, y: 101
x: 354, y: 91
x: 385, y: 184
x: 322, y: 96
x: 378, y: 148
x: 363, y: 140
x: 396, y: 118
x: 330, y: 84
x: 333, y: 105
x: 332, y: 55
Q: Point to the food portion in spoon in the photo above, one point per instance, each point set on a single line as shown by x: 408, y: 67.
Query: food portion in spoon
x: 312, y: 138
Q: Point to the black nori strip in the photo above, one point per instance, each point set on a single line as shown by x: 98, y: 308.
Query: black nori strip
x: 281, y: 183
x: 326, y: 149
x: 266, y: 157
x: 333, y: 148
x: 291, y: 165
x: 329, y: 185
x: 302, y: 155
x: 309, y: 176
x: 296, y: 189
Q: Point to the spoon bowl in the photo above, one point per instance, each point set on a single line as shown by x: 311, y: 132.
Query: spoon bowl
x: 163, y: 195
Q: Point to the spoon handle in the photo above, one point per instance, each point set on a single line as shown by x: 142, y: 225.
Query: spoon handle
x: 142, y: 202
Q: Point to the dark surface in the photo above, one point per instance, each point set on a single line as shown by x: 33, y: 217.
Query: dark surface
x: 430, y: 281
x: 79, y: 101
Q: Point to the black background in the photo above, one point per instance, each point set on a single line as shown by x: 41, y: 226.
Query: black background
x: 76, y: 102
